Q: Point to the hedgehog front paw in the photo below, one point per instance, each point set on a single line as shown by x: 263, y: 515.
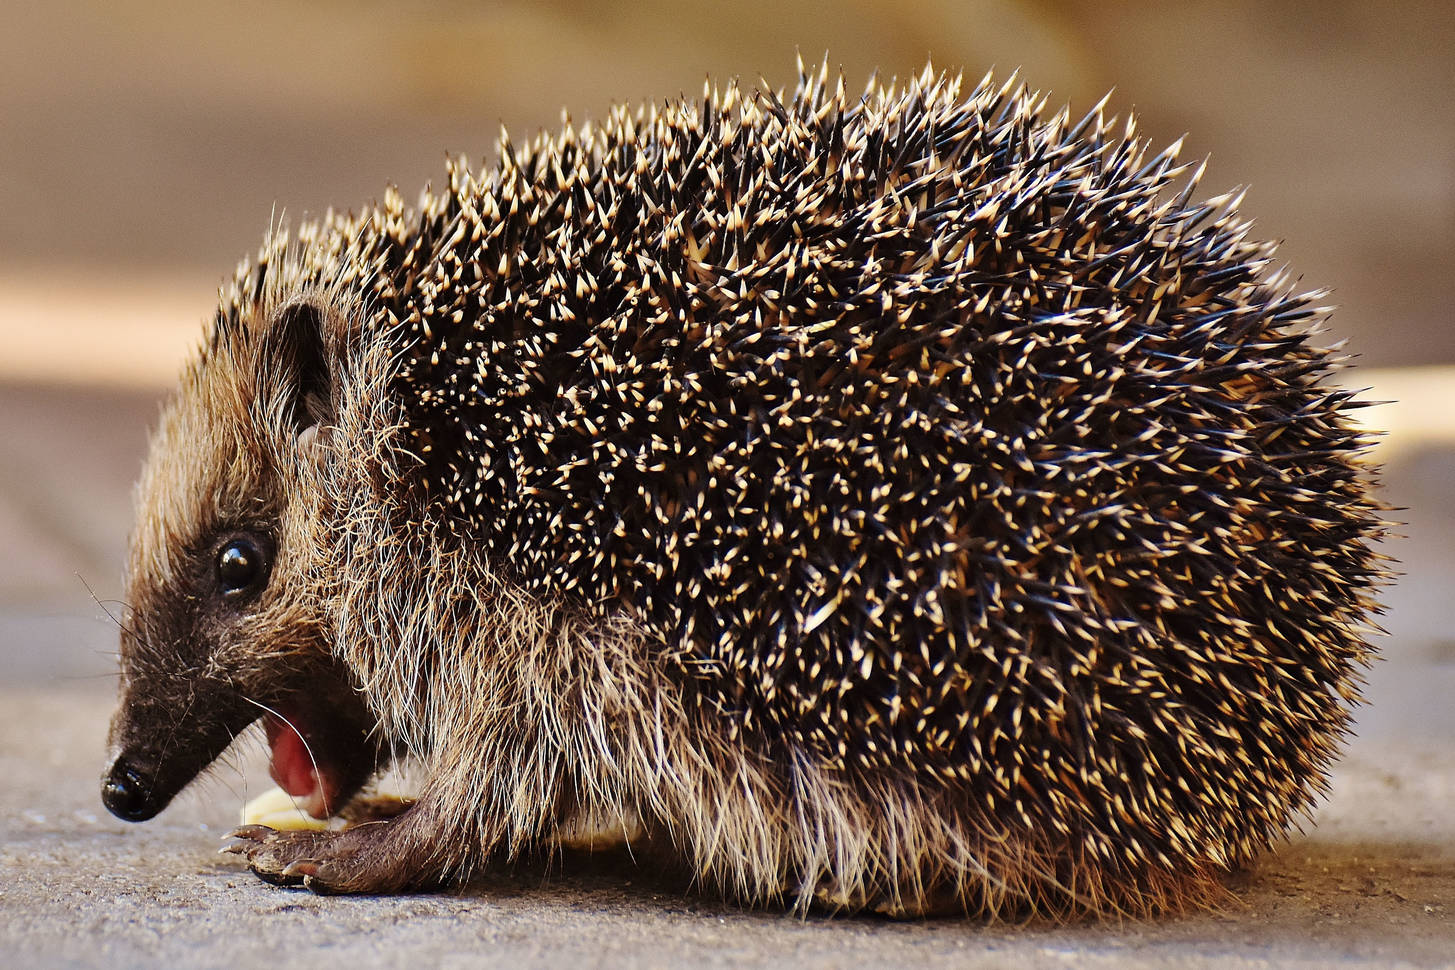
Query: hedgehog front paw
x: 270, y: 853
x: 356, y: 860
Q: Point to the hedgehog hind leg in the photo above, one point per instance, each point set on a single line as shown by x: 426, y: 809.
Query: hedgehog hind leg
x: 905, y: 904
x: 1066, y: 885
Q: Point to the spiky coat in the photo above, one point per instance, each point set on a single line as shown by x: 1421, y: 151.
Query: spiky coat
x: 913, y: 502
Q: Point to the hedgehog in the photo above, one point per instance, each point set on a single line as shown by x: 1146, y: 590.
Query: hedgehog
x: 915, y: 503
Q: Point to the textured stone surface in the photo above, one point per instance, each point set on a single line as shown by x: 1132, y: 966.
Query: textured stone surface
x: 1373, y: 885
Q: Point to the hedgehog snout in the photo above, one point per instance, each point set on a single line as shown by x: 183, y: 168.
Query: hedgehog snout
x: 127, y: 793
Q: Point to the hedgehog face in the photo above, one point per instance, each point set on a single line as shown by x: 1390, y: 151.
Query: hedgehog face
x: 222, y: 624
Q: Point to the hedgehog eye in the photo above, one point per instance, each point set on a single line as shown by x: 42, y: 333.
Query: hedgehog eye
x: 241, y: 567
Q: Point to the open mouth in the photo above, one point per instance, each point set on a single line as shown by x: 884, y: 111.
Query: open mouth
x: 300, y: 764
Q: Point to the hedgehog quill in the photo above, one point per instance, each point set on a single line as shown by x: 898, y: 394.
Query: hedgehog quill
x: 915, y: 502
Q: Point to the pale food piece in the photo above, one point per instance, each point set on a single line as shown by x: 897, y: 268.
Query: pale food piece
x: 279, y: 810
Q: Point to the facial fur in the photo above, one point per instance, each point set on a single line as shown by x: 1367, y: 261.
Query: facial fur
x: 234, y: 463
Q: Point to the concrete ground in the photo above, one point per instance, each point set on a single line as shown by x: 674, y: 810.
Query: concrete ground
x: 1371, y: 884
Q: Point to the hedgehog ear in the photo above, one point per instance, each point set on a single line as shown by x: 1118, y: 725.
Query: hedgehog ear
x: 303, y: 366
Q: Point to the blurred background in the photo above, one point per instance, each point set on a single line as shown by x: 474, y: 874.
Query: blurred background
x: 145, y: 147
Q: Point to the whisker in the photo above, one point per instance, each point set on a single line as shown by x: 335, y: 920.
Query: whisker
x: 105, y: 676
x: 109, y: 615
x: 230, y: 758
x: 327, y: 809
x: 172, y: 734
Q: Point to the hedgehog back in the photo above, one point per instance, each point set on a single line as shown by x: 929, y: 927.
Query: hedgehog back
x: 926, y: 434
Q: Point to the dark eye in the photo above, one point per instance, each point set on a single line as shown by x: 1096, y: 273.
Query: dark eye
x: 241, y: 567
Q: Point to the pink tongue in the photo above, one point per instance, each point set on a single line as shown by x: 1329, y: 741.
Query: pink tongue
x: 293, y: 769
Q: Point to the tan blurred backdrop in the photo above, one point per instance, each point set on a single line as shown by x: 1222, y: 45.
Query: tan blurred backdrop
x: 145, y: 146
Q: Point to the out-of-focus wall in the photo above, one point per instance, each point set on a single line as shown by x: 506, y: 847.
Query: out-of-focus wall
x: 144, y: 147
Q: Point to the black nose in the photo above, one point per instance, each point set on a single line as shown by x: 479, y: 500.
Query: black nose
x: 127, y: 794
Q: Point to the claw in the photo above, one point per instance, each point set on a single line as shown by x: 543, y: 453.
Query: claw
x: 256, y: 833
x: 276, y: 878
x: 318, y: 887
x: 300, y: 868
